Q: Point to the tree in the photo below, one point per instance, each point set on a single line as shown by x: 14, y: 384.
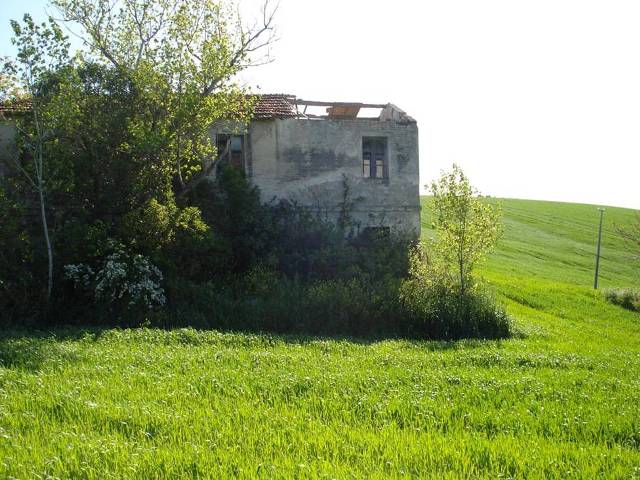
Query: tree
x: 467, y: 228
x: 181, y: 57
x: 118, y: 136
x: 42, y: 50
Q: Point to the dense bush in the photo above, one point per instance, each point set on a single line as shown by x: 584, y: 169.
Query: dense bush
x: 262, y: 300
x: 290, y: 239
x: 122, y: 284
x: 625, y: 297
x: 438, y: 308
x: 18, y: 298
x: 345, y: 307
x: 239, y: 264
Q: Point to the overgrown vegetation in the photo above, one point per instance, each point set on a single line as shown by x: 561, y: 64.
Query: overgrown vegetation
x: 441, y: 291
x: 115, y: 138
x: 625, y: 297
x: 115, y: 157
x: 558, y: 400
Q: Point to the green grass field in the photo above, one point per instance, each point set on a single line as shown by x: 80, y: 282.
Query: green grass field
x: 559, y: 400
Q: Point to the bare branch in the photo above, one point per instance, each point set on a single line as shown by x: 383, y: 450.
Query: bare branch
x: 250, y: 44
x: 93, y: 21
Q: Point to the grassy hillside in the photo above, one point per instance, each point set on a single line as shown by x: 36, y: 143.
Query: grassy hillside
x: 560, y: 400
x: 557, y: 241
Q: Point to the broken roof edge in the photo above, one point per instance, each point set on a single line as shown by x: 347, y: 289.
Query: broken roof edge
x: 395, y: 113
x: 280, y: 105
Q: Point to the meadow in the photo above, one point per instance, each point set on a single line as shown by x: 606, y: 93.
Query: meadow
x: 561, y: 399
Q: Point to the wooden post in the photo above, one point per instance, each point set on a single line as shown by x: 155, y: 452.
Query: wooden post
x: 595, y: 281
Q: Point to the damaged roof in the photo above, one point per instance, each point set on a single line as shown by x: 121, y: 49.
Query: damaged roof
x: 282, y: 105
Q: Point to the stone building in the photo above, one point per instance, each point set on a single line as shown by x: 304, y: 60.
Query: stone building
x: 310, y: 151
x: 8, y: 131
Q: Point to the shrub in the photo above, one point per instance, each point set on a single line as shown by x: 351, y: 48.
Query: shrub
x: 436, y: 308
x: 232, y: 209
x: 125, y: 285
x: 289, y: 238
x: 20, y: 295
x: 266, y: 301
x: 230, y: 262
x: 263, y: 300
x: 624, y: 297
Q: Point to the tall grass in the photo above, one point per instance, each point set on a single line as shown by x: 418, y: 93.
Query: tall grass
x: 559, y: 400
x: 158, y: 404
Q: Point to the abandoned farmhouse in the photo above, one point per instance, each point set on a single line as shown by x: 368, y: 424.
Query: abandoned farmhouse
x: 290, y: 152
x: 311, y: 151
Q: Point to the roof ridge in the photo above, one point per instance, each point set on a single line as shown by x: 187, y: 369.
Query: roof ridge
x: 268, y: 105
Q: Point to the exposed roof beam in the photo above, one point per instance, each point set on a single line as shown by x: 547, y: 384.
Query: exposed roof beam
x: 314, y: 103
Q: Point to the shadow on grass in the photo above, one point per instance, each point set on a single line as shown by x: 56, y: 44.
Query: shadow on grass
x: 28, y: 353
x: 31, y: 349
x: 313, y: 339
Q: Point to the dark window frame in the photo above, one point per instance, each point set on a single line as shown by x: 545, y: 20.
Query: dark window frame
x: 228, y: 151
x: 375, y: 157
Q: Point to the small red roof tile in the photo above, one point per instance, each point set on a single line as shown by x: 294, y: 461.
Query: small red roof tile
x: 15, y: 106
x: 275, y: 105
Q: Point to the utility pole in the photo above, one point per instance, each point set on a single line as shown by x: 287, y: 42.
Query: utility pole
x: 595, y: 282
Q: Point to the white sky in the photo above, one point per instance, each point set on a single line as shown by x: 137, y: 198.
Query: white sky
x: 534, y: 99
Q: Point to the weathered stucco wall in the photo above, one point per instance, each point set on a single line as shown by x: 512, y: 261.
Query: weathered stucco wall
x: 7, y: 145
x: 307, y: 160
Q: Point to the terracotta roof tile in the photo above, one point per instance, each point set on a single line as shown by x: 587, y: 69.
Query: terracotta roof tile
x: 19, y: 106
x: 269, y: 105
x: 275, y: 105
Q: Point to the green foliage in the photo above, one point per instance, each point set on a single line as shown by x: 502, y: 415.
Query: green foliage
x: 123, y: 286
x: 232, y: 207
x: 181, y: 58
x: 155, y: 226
x: 123, y: 128
x: 467, y: 228
x: 441, y: 292
x: 440, y: 310
x: 263, y: 300
x: 128, y: 138
x: 558, y: 400
x: 290, y: 239
x: 17, y: 296
x: 41, y: 50
x: 625, y: 297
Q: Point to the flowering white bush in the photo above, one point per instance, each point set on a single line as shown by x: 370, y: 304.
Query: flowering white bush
x: 81, y: 274
x: 132, y: 279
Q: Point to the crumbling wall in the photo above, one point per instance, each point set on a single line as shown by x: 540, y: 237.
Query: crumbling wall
x: 308, y: 160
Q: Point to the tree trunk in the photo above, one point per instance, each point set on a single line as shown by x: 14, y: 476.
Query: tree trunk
x: 462, y: 286
x: 39, y: 167
x: 45, y: 227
